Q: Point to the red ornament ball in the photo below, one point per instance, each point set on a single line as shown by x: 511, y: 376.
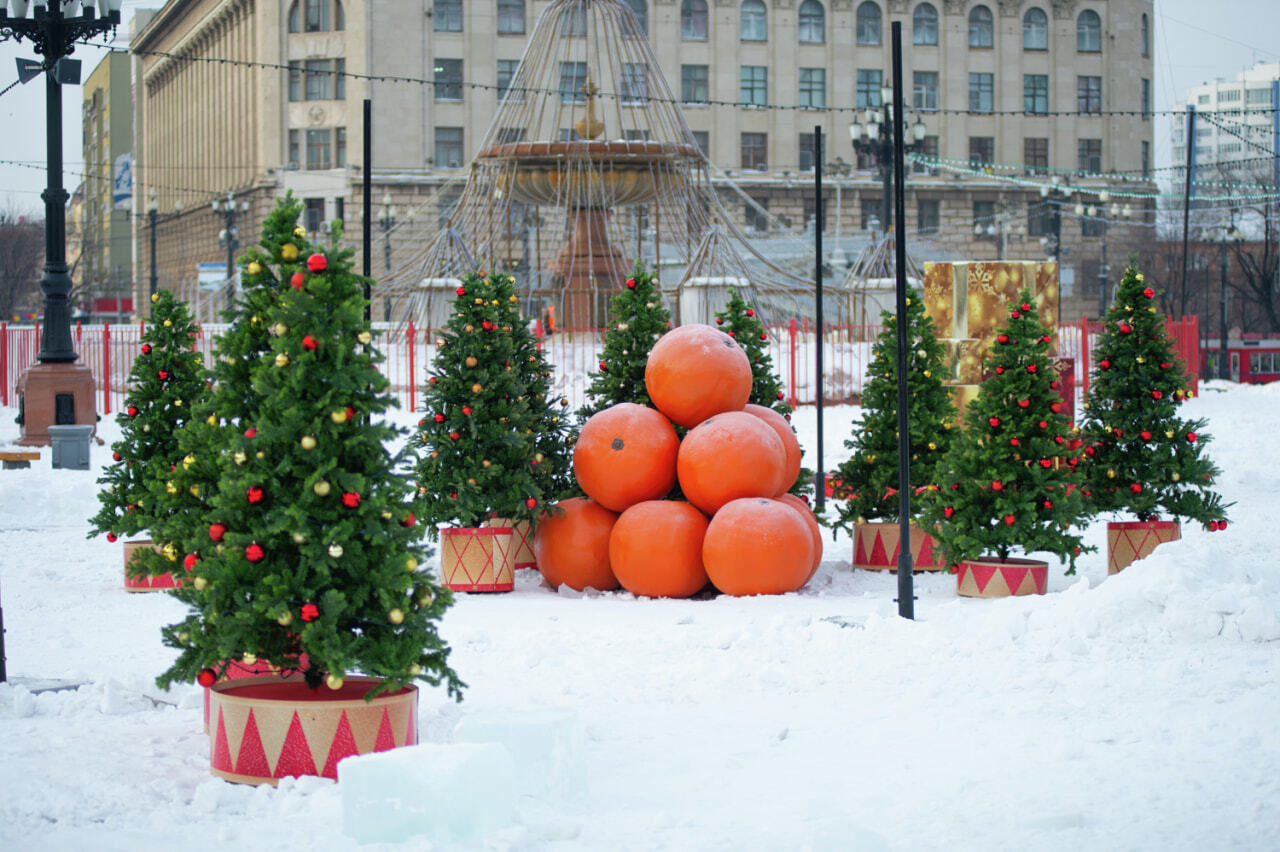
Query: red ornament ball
x: 1010, y: 519
x: 1045, y: 463
x: 719, y: 320
x: 251, y: 432
x: 1048, y: 504
x: 132, y: 411
x: 1222, y: 525
x: 115, y: 457
x: 993, y: 421
x: 1003, y: 338
x: 112, y: 536
x: 255, y: 494
x: 1104, y: 364
x: 146, y: 349
x: 1149, y: 293
x: 207, y: 677
x: 189, y: 562
x: 350, y: 499
x: 466, y: 410
x: 1015, y: 314
x: 631, y: 283
x: 1024, y: 403
x: 1031, y: 368
x: 164, y: 375
x: 604, y: 368
x: 531, y: 503
x: 1146, y: 436
x: 997, y: 485
x: 439, y: 418
x: 1043, y: 424
x: 1135, y: 487
x: 948, y: 512
x: 999, y: 371
x: 254, y: 552
x: 310, y: 612
x: 309, y: 342
x: 1013, y: 442
x: 409, y: 521
x: 1191, y: 437
x: 1155, y: 394
x: 462, y: 291
x: 750, y: 312
x: 317, y: 263
x: 1055, y: 407
x: 1026, y: 306
x: 454, y: 436
x: 764, y: 335
x: 1125, y: 328
x: 217, y: 531
x: 296, y: 280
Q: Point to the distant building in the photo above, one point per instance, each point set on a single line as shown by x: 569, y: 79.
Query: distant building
x: 105, y: 264
x: 1236, y: 122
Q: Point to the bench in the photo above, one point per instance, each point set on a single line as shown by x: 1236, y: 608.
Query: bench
x: 18, y: 458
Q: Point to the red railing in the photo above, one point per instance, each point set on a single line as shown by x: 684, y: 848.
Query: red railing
x: 109, y: 350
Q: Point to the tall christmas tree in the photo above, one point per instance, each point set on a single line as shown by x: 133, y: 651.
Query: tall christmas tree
x: 311, y: 559
x: 637, y: 318
x: 868, y: 480
x: 493, y: 441
x: 1141, y: 457
x: 1009, y: 480
x: 739, y: 321
x: 166, y: 383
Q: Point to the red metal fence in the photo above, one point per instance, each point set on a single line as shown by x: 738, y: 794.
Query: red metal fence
x: 109, y: 350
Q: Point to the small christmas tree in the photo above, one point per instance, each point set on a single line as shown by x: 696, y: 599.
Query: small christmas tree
x: 739, y: 321
x: 1009, y: 481
x: 1140, y: 456
x: 312, y: 557
x: 637, y: 318
x: 868, y: 480
x: 493, y: 441
x: 166, y: 383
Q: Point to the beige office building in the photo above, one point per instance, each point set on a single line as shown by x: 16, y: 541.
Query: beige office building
x: 1016, y: 98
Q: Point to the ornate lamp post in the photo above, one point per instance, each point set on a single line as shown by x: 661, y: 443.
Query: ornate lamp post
x: 153, y: 211
x: 56, y: 390
x: 873, y: 137
x: 1116, y: 213
x: 387, y: 221
x: 1223, y: 236
x: 228, y: 238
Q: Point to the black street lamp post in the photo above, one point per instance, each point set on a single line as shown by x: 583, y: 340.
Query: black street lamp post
x: 153, y: 213
x: 1224, y: 237
x: 228, y: 238
x: 387, y: 222
x: 53, y: 390
x: 874, y: 138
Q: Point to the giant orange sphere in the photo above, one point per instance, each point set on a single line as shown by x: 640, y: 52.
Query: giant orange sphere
x: 728, y: 456
x: 815, y: 529
x: 625, y: 454
x: 572, y: 545
x: 790, y: 444
x: 656, y: 549
x: 696, y: 371
x: 757, y: 546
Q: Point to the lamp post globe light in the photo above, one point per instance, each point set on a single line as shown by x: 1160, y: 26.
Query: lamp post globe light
x: 873, y: 138
x: 55, y: 390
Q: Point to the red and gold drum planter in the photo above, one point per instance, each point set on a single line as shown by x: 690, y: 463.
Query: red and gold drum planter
x: 237, y: 669
x: 1129, y: 541
x: 158, y: 583
x: 477, y: 559
x: 265, y: 729
x: 521, y: 542
x: 992, y: 578
x: 876, y: 547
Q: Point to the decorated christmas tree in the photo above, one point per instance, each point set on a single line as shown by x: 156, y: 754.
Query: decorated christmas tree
x: 867, y: 483
x: 637, y: 319
x: 739, y: 321
x: 307, y: 555
x: 1140, y: 456
x: 493, y: 441
x: 1009, y: 480
x: 165, y: 384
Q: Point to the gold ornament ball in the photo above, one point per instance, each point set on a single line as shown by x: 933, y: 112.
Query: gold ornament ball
x: 335, y: 550
x: 308, y: 442
x: 485, y: 462
x: 170, y: 488
x: 395, y: 616
x: 415, y: 670
x: 339, y: 416
x: 195, y: 490
x: 300, y: 232
x: 212, y: 420
x: 364, y: 337
x: 1141, y: 360
x: 932, y: 445
x: 184, y: 636
x: 477, y: 387
x: 200, y: 584
x: 155, y: 297
x: 187, y: 461
x: 259, y: 455
x: 333, y: 681
x: 299, y: 538
x: 1111, y: 474
x: 177, y: 403
x: 289, y: 252
x: 321, y: 488
x: 411, y: 564
x: 249, y: 659
x: 928, y: 374
x: 240, y: 457
x: 1176, y: 476
x: 479, y: 301
x: 281, y: 329
x: 386, y: 516
x: 471, y: 361
x: 170, y: 551
x: 255, y: 268
x: 1169, y: 434
x: 513, y: 300
x: 284, y: 619
x: 282, y: 360
x: 468, y: 328
x: 168, y: 323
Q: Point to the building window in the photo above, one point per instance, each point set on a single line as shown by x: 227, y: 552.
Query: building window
x: 510, y: 16
x: 812, y: 23
x: 340, y: 146
x: 446, y: 16
x: 924, y: 90
x: 813, y: 88
x: 924, y: 24
x: 295, y: 80
x: 313, y: 214
x: 693, y: 20
x: 754, y: 151
x: 509, y: 135
x: 1092, y: 226
x: 869, y: 214
x: 295, y: 149
x: 1144, y: 35
x: 984, y: 215
x: 573, y: 79
x: 634, y: 83
x: 754, y: 89
x: 806, y: 152
x: 506, y: 76
x: 317, y: 80
x: 703, y: 140
x: 981, y: 91
x: 1089, y: 155
x: 926, y: 148
x: 1035, y: 155
x: 640, y: 9
x: 927, y: 216
x: 982, y: 150
x: 752, y: 21
x: 1040, y: 220
x: 1257, y: 96
x: 448, y: 79
x: 868, y: 23
x: 1088, y: 32
x: 693, y: 84
x: 869, y: 88
x: 316, y: 16
x: 448, y: 147
x: 574, y: 21
x: 1035, y: 93
x: 1146, y: 98
x: 981, y: 27
x: 1089, y: 95
x: 1146, y: 159
x: 1035, y: 30
x: 319, y: 152
x: 757, y: 214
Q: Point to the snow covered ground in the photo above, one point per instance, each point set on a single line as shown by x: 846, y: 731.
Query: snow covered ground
x: 1132, y: 712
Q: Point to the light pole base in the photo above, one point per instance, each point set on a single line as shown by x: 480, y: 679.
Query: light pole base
x: 54, y: 395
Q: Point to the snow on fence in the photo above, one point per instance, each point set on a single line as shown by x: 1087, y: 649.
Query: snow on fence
x: 109, y: 350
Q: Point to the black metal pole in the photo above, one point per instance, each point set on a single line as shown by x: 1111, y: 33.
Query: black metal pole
x: 1186, y: 189
x: 154, y: 285
x: 1102, y: 274
x: 884, y: 159
x: 906, y: 586
x: 820, y: 477
x: 231, y: 249
x: 1224, y: 369
x: 367, y: 241
x: 55, y: 340
x: 3, y: 674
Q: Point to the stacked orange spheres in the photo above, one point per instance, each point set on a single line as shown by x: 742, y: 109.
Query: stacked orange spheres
x: 739, y: 528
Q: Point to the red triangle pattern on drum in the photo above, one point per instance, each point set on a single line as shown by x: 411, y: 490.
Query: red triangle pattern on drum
x: 878, y: 554
x: 344, y: 745
x: 386, y: 740
x: 926, y: 554
x: 860, y: 552
x: 982, y: 575
x: 295, y: 754
x: 221, y: 758
x: 252, y: 759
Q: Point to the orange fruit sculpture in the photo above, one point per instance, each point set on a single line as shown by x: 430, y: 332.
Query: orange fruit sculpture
x: 790, y: 444
x: 572, y: 545
x: 730, y: 455
x: 626, y: 454
x: 655, y: 549
x: 757, y: 546
x: 815, y: 531
x: 697, y: 371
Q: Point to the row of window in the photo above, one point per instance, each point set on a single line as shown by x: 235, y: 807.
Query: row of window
x: 1252, y: 96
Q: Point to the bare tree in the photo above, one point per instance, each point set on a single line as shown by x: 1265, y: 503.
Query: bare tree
x: 21, y: 256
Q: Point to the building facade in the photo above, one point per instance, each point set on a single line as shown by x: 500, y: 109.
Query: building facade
x: 1037, y: 116
x: 105, y: 264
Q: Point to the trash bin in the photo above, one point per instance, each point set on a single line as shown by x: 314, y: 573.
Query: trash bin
x: 71, y: 446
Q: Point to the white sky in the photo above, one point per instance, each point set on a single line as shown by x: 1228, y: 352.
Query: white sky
x: 1194, y: 42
